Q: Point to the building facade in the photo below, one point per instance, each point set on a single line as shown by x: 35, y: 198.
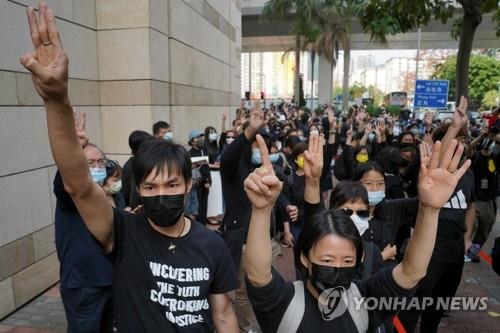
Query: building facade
x: 132, y: 63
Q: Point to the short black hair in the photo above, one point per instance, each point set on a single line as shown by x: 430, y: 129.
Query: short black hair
x: 209, y: 129
x: 297, y: 150
x: 136, y: 139
x: 159, y: 125
x: 359, y: 148
x: 364, y: 168
x: 327, y: 222
x: 348, y: 191
x: 113, y: 168
x: 158, y: 154
x: 400, y: 139
x: 292, y: 141
x: 290, y: 131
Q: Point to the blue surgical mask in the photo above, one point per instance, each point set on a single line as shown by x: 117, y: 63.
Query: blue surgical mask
x: 256, y: 158
x: 169, y: 136
x: 274, y: 158
x: 371, y: 137
x: 492, y: 146
x: 415, y: 131
x: 98, y: 175
x: 376, y: 197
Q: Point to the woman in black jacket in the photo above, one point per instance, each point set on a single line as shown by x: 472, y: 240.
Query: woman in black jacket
x: 386, y: 216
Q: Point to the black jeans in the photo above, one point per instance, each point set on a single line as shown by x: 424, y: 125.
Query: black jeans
x: 88, y: 309
x: 442, y: 280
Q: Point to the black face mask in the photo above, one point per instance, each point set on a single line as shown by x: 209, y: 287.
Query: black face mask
x: 325, y: 277
x: 164, y: 210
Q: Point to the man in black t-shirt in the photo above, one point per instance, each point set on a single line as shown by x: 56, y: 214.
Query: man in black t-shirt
x: 170, y: 273
x: 485, y: 164
x: 455, y: 223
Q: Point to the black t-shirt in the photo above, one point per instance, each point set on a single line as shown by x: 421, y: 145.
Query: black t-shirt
x: 157, y: 290
x: 271, y: 301
x: 485, y: 176
x: 451, y: 226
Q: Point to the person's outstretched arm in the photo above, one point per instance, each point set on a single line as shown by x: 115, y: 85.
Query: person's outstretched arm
x: 232, y: 154
x: 262, y: 188
x: 437, y: 181
x: 313, y: 165
x: 49, y: 70
x: 459, y: 121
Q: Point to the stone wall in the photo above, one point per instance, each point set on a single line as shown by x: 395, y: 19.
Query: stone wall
x: 132, y: 62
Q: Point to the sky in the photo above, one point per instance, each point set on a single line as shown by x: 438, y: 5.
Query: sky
x: 381, y: 56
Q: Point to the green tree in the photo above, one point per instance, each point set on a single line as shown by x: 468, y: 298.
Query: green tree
x: 304, y: 27
x: 343, y: 12
x: 376, y: 94
x: 337, y: 91
x: 383, y: 18
x: 484, y: 75
x: 331, y: 36
x: 491, y: 99
x: 357, y: 91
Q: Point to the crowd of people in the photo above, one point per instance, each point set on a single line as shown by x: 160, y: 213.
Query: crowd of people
x: 182, y: 240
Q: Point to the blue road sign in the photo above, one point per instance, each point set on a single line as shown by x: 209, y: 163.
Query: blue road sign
x: 431, y: 94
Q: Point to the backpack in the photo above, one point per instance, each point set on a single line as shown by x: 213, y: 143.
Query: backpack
x: 295, y: 312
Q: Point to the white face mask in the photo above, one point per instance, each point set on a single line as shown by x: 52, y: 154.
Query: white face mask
x: 212, y: 137
x: 229, y: 140
x: 115, y: 187
x: 360, y: 223
x: 314, y: 133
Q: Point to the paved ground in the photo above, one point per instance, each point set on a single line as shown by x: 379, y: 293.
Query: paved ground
x: 45, y: 314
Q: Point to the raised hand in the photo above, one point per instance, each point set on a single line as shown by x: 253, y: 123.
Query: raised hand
x: 460, y: 116
x: 389, y: 252
x: 262, y: 186
x: 332, y: 121
x: 428, y: 119
x: 48, y: 63
x: 313, y: 157
x: 381, y: 126
x: 80, y: 124
x: 224, y: 116
x: 293, y: 212
x: 437, y: 180
x: 350, y: 131
x: 428, y: 139
x: 257, y: 118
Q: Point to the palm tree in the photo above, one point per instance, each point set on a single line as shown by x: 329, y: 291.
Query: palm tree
x: 343, y: 12
x: 301, y: 12
x: 332, y: 34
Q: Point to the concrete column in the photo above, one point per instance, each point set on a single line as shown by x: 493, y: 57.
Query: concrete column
x: 325, y: 74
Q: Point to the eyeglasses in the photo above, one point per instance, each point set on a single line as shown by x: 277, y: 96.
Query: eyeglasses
x: 364, y: 214
x: 101, y: 163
